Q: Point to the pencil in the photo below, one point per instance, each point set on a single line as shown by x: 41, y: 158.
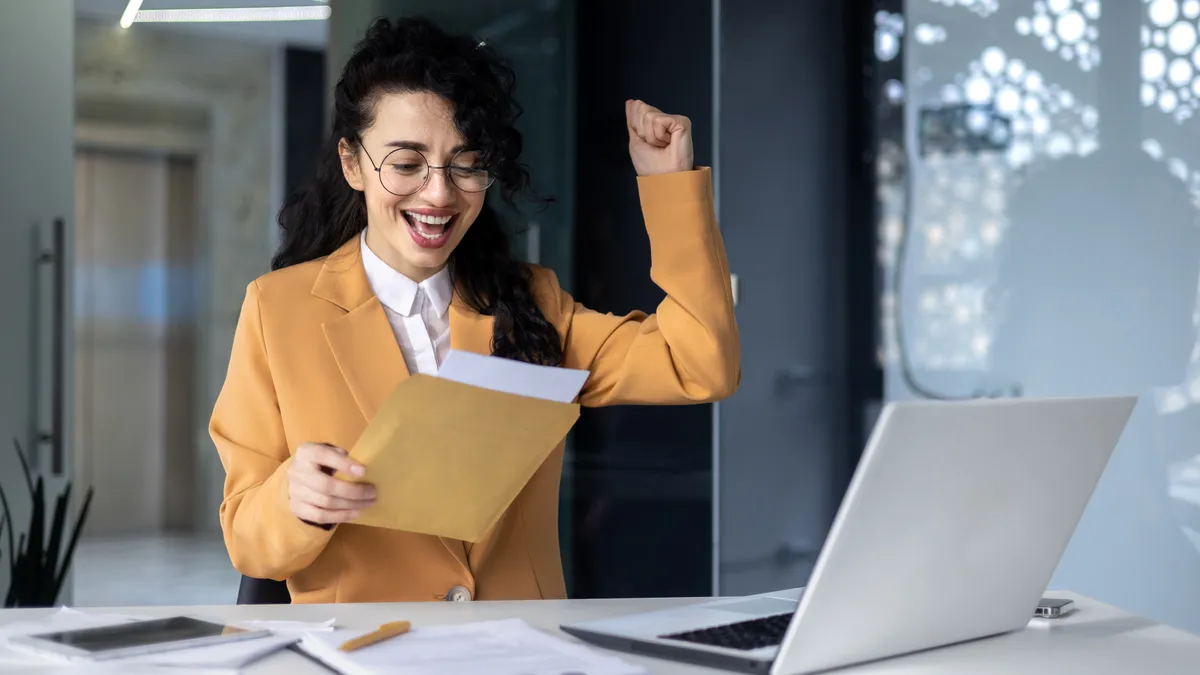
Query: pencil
x: 384, y: 632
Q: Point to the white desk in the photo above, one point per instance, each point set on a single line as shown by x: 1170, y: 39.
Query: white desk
x: 1096, y: 640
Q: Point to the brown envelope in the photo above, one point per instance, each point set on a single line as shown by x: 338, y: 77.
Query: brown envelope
x: 448, y: 459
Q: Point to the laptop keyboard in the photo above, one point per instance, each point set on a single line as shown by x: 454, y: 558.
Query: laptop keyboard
x: 767, y: 631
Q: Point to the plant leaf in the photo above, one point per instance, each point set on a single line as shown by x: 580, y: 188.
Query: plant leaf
x: 1, y: 529
x: 38, y: 565
x: 31, y: 567
x: 12, y: 550
x: 70, y: 552
x: 37, y: 524
x: 18, y: 576
x: 24, y: 466
x: 50, y: 567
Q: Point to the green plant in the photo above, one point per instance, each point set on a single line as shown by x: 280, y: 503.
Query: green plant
x: 38, y: 564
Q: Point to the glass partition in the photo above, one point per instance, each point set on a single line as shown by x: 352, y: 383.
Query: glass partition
x: 1039, y: 237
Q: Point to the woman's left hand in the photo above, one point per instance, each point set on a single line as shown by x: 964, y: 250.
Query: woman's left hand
x: 658, y: 143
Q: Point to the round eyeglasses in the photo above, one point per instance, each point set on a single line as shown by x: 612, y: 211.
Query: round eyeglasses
x: 405, y: 171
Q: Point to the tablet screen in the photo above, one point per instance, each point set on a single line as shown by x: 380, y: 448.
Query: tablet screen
x: 139, y: 634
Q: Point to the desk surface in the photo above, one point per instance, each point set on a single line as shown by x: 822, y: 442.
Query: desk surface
x: 1096, y: 640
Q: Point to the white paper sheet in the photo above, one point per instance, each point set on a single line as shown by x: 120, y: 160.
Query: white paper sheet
x: 286, y: 627
x: 513, y: 377
x: 506, y: 647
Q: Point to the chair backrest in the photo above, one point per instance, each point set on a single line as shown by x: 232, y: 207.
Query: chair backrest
x: 263, y: 592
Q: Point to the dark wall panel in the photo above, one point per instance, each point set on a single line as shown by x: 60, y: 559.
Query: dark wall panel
x: 790, y: 176
x: 641, y: 475
x: 304, y: 100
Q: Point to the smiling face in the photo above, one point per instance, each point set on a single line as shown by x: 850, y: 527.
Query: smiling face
x: 414, y: 226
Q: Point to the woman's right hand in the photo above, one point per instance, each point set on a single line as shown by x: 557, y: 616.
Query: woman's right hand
x: 316, y: 496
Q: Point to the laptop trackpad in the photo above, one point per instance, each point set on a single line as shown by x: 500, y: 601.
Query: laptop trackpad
x: 758, y: 606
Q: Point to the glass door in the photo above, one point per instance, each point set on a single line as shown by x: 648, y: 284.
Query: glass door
x: 36, y: 230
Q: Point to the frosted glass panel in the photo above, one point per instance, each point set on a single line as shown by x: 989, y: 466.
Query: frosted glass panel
x: 1040, y: 237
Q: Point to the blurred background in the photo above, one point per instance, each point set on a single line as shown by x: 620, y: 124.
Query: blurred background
x: 920, y: 199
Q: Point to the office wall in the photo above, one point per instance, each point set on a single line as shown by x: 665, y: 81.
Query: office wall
x: 1062, y: 257
x: 156, y: 79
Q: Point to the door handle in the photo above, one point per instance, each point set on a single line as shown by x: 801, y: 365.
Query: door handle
x: 54, y: 258
x: 790, y: 378
x: 785, y: 555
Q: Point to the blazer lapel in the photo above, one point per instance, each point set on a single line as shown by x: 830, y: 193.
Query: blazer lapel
x: 362, y: 340
x: 470, y: 331
x: 366, y: 352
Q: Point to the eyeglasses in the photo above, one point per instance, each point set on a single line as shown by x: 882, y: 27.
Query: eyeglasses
x: 405, y: 171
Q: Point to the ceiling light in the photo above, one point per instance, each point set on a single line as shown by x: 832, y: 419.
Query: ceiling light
x: 239, y: 14
x: 130, y: 12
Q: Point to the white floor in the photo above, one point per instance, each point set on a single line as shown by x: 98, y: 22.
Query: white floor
x: 153, y: 570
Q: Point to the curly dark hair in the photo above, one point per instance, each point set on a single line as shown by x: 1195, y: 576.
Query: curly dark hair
x: 414, y: 55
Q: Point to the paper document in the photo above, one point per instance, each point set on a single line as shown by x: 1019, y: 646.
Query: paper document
x: 283, y: 627
x: 507, y: 647
x: 513, y: 377
x: 449, y: 454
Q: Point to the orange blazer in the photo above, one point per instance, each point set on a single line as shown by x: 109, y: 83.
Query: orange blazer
x: 314, y: 357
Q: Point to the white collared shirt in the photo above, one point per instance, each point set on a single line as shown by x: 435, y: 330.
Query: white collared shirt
x: 417, y: 312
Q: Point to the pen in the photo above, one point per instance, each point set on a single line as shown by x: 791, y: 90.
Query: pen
x: 387, y: 630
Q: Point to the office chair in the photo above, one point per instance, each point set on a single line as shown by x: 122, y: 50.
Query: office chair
x: 263, y: 592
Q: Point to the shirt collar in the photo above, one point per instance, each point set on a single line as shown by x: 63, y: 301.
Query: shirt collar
x: 399, y: 293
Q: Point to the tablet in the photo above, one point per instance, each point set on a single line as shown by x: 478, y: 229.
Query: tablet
x: 135, y: 638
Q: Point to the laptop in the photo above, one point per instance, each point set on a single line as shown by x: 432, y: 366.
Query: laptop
x: 950, y: 530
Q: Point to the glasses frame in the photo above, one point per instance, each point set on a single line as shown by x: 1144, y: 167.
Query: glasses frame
x: 429, y: 169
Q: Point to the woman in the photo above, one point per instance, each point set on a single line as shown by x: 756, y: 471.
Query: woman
x: 390, y: 258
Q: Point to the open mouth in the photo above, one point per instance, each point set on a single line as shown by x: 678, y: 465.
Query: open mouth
x: 429, y: 231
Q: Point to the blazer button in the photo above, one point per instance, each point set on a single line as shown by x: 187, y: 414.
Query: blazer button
x: 458, y: 594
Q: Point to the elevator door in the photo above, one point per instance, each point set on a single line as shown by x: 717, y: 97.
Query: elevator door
x: 135, y: 348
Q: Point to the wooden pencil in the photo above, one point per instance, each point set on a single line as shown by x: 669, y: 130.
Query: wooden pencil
x: 387, y: 630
